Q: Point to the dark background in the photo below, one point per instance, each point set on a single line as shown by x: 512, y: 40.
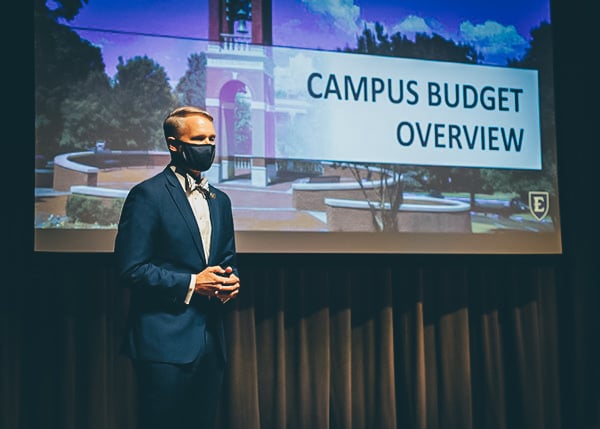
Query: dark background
x: 62, y: 314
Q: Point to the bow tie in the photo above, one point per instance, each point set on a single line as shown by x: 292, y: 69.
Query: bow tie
x: 201, y: 186
x: 192, y: 185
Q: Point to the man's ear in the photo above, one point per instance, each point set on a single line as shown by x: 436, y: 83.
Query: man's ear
x: 171, y: 145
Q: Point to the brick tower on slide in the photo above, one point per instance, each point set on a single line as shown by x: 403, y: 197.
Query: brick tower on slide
x: 239, y: 75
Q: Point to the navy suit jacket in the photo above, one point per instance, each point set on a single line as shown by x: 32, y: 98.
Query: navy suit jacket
x: 157, y: 247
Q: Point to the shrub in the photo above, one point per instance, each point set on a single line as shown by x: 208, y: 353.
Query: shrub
x: 94, y: 210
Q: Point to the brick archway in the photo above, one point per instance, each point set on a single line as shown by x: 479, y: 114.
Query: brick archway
x: 239, y: 62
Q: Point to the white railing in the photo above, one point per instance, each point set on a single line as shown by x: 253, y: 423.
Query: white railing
x: 235, y: 42
x: 242, y: 161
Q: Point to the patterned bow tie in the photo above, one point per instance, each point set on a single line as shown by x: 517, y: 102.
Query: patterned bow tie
x: 201, y: 187
x: 191, y: 185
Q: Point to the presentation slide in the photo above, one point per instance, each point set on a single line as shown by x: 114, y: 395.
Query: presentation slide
x: 367, y: 128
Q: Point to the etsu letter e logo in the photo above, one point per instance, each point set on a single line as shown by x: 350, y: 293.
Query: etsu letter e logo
x: 538, y: 204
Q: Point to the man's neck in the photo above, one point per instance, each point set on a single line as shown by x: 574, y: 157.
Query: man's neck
x: 197, y: 175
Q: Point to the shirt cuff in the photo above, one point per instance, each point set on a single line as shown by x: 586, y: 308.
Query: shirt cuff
x: 190, y: 293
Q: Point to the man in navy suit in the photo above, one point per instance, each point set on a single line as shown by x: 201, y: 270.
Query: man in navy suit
x: 175, y: 250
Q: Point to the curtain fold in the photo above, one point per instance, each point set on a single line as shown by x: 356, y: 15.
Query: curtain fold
x: 311, y: 345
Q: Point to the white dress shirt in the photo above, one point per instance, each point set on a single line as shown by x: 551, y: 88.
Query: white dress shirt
x: 199, y: 205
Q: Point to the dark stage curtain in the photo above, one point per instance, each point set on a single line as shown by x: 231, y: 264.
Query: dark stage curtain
x: 355, y: 341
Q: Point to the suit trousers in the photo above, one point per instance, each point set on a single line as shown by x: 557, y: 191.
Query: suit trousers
x: 180, y: 396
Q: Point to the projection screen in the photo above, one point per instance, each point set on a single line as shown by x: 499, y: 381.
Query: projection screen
x: 367, y: 127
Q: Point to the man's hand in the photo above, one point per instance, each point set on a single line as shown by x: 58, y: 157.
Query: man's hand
x: 217, y: 282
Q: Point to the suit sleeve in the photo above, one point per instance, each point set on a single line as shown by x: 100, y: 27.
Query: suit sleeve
x: 141, y: 263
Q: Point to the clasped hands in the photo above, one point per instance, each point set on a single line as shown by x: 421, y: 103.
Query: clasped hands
x: 217, y: 282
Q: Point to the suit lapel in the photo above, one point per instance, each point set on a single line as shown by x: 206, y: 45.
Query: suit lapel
x: 178, y: 195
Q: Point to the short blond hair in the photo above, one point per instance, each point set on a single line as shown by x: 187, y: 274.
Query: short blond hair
x: 174, y: 123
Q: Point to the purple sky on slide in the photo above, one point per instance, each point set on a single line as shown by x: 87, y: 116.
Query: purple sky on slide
x: 498, y: 29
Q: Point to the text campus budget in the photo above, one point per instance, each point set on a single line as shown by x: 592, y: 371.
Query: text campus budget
x: 431, y: 134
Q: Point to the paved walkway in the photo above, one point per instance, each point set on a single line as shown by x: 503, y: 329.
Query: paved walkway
x: 254, y: 209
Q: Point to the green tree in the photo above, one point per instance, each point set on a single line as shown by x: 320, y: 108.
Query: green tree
x: 243, y: 123
x: 427, y: 47
x: 62, y: 61
x: 538, y: 57
x: 191, y: 88
x: 88, y: 116
x: 67, y: 9
x: 141, y: 96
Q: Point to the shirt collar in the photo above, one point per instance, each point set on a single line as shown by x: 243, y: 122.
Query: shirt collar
x: 189, y: 183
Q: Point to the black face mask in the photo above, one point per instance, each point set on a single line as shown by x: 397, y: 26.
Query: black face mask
x: 195, y: 156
